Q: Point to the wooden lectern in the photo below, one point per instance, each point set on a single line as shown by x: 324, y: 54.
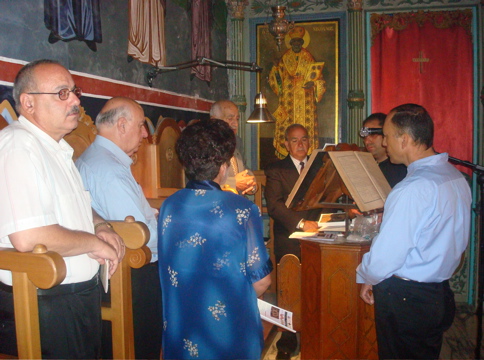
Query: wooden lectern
x: 335, y: 322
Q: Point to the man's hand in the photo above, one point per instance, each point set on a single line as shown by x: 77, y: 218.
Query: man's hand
x: 112, y: 238
x: 104, y: 251
x: 245, y: 183
x: 310, y: 226
x: 366, y: 293
x: 115, y: 241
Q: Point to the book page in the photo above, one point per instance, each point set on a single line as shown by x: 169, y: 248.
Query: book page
x: 302, y: 234
x: 357, y: 180
x: 104, y: 274
x: 275, y: 315
x: 332, y: 226
x: 322, y: 236
x: 375, y: 173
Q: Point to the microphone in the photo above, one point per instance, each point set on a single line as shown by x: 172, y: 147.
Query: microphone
x: 468, y: 164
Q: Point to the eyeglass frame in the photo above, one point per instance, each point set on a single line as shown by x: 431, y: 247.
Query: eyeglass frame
x: 76, y: 90
x: 366, y: 131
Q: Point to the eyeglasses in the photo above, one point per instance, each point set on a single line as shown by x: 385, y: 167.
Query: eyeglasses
x: 63, y: 93
x: 365, y: 131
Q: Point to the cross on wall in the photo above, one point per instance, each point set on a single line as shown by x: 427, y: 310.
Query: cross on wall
x: 421, y: 59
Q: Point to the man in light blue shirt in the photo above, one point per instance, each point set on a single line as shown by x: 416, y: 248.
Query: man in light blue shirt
x: 105, y: 169
x: 424, y: 232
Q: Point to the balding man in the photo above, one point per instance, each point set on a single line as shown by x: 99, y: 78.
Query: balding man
x: 44, y: 202
x: 239, y: 176
x: 105, y: 168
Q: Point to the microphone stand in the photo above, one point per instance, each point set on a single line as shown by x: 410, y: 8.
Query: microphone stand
x: 479, y: 171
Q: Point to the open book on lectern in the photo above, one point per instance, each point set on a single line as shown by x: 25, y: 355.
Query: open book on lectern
x: 354, y: 173
x: 362, y: 176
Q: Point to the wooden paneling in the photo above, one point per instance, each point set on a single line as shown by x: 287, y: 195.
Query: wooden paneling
x: 336, y: 323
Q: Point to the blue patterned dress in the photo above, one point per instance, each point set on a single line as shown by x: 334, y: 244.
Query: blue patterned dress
x: 211, y: 250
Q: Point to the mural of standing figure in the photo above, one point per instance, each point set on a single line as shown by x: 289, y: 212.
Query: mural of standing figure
x: 297, y: 79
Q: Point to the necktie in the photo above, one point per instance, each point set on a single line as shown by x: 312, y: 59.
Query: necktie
x: 302, y: 166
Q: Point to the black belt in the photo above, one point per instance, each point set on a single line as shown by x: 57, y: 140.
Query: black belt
x: 418, y: 282
x: 63, y: 289
x: 402, y: 278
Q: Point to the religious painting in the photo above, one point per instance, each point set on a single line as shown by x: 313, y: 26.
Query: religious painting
x: 301, y: 84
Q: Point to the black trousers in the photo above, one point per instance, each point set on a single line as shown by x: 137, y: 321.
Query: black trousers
x: 70, y: 324
x: 287, y: 342
x: 411, y: 318
x: 147, y: 314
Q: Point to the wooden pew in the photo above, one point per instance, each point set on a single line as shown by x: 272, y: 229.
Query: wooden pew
x: 45, y: 269
x: 259, y: 200
x: 83, y: 135
x: 156, y: 166
x: 3, y: 122
x: 39, y: 268
x: 120, y: 311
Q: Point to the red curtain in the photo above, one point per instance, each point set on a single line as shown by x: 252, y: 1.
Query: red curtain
x: 426, y: 58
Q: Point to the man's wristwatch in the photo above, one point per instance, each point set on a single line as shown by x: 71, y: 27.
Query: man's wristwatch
x: 101, y: 224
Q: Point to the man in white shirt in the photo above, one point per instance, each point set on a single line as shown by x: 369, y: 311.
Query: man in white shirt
x: 44, y: 202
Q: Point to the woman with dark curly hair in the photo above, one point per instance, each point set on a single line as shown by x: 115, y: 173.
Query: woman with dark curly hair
x: 212, y: 258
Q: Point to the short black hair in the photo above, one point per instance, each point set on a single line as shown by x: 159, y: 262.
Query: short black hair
x: 415, y: 121
x: 204, y: 147
x: 376, y: 116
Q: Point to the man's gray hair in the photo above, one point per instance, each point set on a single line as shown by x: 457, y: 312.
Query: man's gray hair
x: 293, y: 126
x: 110, y: 117
x: 25, y: 80
x: 216, y: 111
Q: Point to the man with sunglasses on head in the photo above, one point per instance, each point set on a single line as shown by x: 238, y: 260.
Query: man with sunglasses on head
x: 372, y: 134
x: 44, y: 202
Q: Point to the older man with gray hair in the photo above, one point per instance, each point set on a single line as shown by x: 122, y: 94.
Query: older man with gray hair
x: 105, y: 168
x: 239, y: 177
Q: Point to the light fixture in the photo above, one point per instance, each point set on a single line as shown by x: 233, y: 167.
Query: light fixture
x: 279, y: 26
x: 235, y: 65
x: 260, y: 114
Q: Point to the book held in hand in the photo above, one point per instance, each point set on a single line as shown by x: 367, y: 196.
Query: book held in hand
x: 104, y: 274
x: 275, y: 315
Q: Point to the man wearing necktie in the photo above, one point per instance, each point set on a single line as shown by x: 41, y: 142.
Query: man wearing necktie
x: 281, y: 177
x: 239, y: 177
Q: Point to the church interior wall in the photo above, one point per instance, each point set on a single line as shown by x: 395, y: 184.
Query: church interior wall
x: 23, y: 38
